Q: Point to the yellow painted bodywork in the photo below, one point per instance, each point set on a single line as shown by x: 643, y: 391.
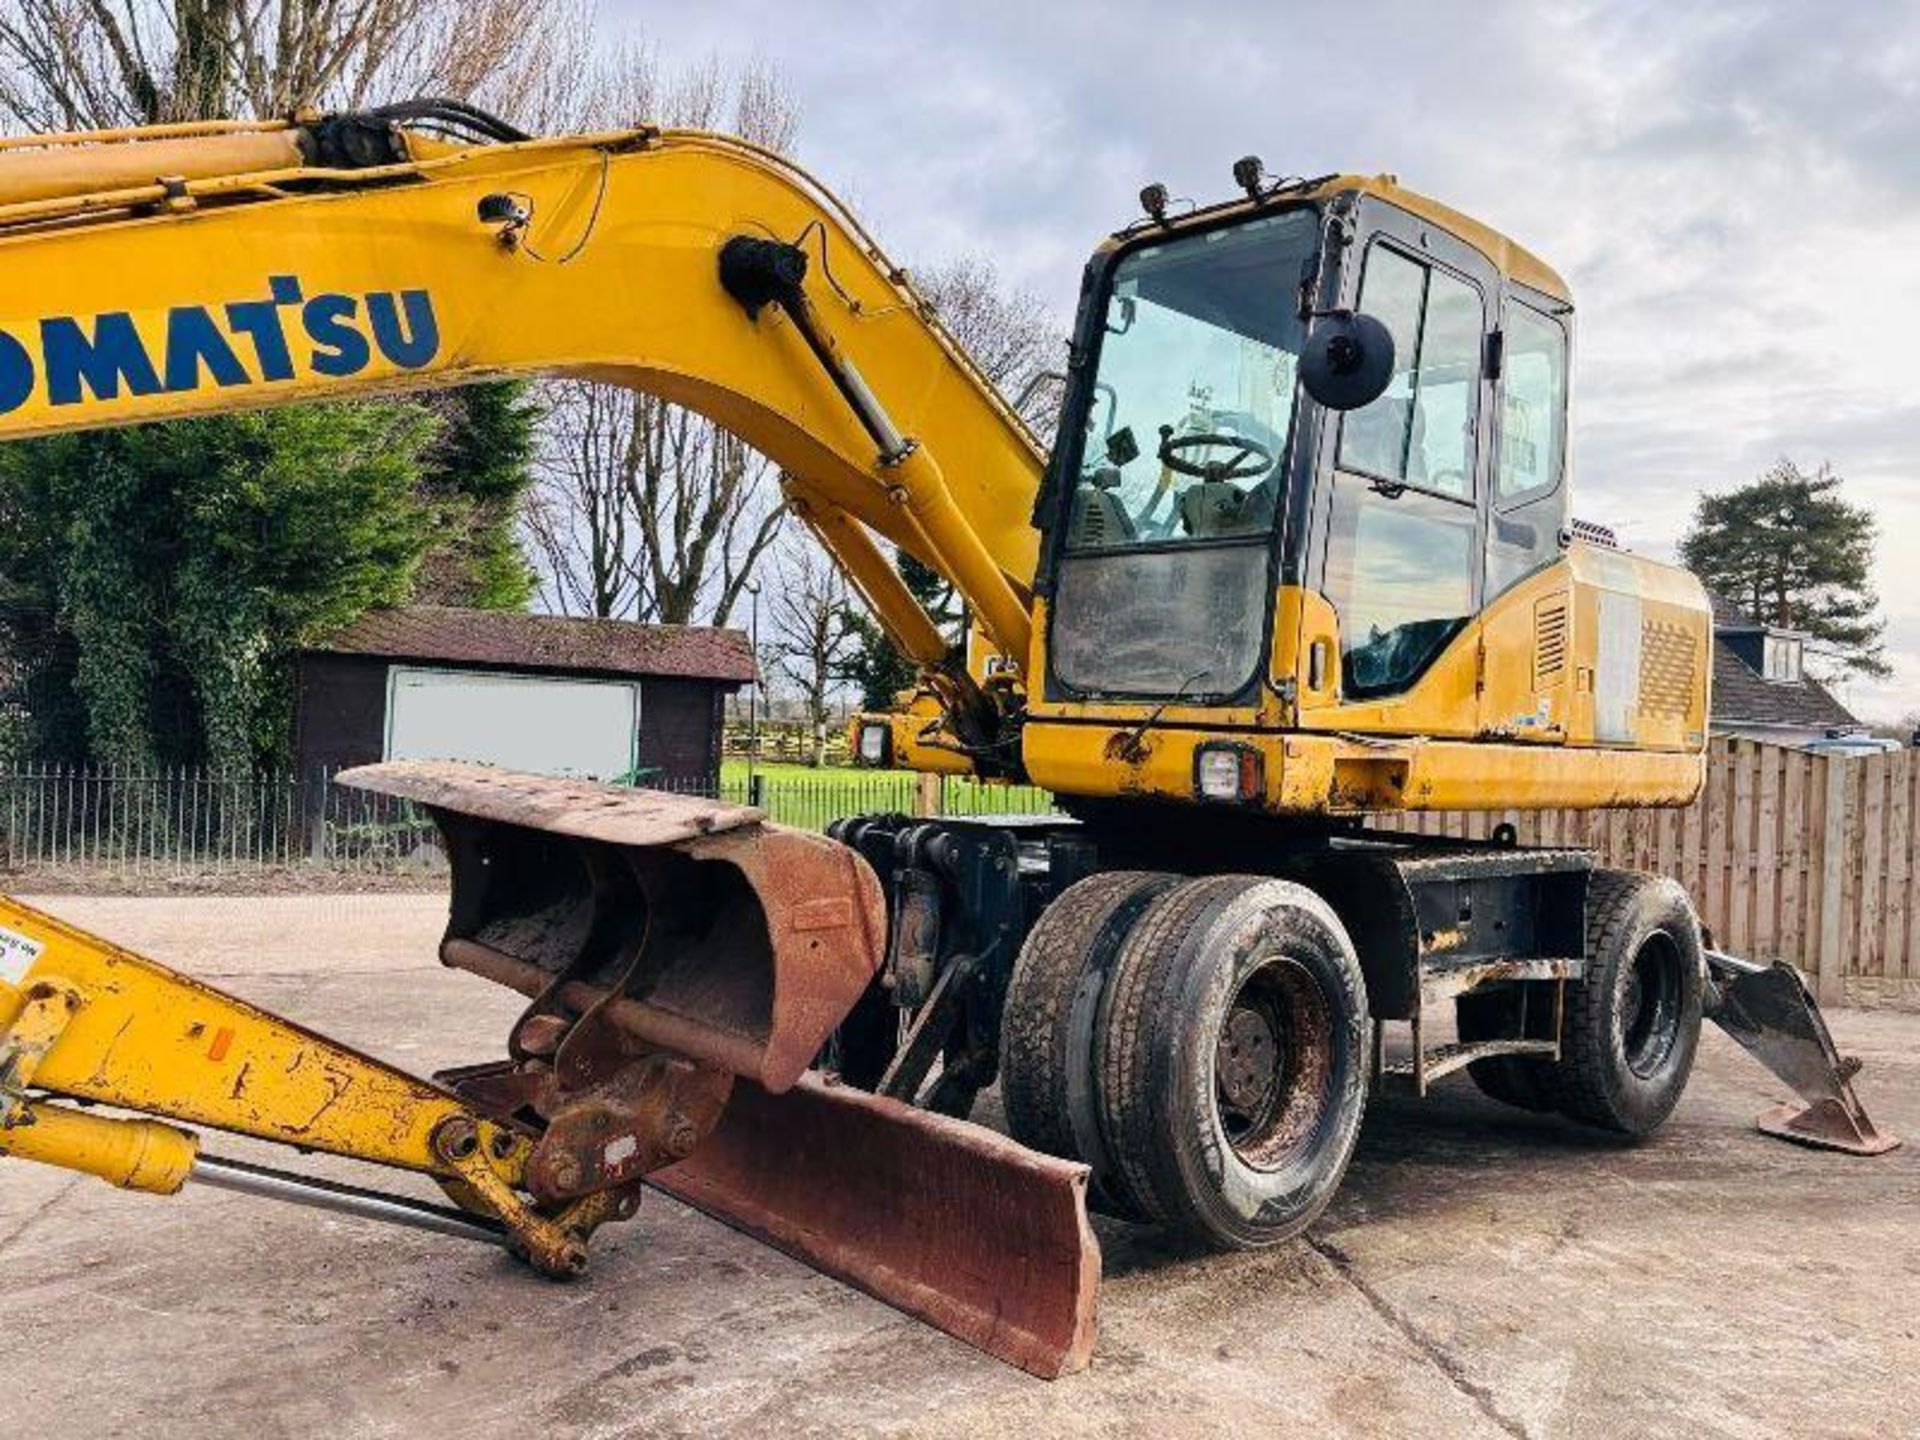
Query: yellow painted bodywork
x: 150, y: 1039
x: 616, y: 279
x: 1483, y: 727
x: 83, y: 1020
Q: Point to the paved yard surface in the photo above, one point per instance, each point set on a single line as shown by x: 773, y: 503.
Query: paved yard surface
x: 1482, y: 1273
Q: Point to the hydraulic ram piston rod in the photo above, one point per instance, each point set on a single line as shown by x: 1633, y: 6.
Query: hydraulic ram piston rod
x: 248, y: 1179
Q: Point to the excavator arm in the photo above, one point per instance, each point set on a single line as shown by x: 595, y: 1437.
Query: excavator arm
x: 683, y: 961
x: 149, y: 274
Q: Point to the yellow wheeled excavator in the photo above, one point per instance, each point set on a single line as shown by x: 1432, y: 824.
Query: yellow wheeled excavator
x: 1300, y: 554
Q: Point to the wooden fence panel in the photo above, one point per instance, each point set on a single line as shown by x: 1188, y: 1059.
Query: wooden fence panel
x: 1811, y: 859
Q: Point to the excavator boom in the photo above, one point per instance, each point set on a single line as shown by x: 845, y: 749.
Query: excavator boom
x: 220, y: 267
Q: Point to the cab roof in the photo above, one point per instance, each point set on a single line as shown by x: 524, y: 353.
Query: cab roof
x: 1511, y: 259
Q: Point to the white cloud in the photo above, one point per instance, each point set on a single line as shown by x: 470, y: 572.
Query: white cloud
x: 1733, y: 189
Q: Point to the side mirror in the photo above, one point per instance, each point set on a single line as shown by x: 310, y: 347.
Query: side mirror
x: 1348, y: 360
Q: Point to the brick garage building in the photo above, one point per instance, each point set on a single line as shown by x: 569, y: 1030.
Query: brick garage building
x: 377, y: 689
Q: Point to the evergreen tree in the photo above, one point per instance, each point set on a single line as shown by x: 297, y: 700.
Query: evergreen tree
x: 476, y: 478
x: 159, y: 577
x: 875, y: 666
x: 1796, y: 555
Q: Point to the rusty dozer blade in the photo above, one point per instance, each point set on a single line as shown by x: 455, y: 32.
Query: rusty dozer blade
x: 685, y: 962
x: 1770, y: 1011
x: 948, y: 1221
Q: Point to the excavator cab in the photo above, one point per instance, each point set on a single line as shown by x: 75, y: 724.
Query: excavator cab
x: 1312, y: 484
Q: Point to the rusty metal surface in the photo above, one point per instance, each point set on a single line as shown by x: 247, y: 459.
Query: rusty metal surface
x: 651, y: 1112
x: 637, y: 916
x: 1774, y: 1016
x: 1827, y: 1125
x: 759, y: 942
x: 947, y: 1221
x: 586, y: 809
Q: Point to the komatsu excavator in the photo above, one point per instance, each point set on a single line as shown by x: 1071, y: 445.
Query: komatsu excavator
x: 1301, y: 554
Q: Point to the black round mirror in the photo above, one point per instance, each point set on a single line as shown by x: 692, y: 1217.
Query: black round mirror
x: 1348, y: 360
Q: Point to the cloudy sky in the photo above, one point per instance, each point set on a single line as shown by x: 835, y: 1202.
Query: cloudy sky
x: 1733, y: 190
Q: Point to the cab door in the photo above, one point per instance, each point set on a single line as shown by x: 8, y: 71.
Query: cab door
x: 1528, y: 675
x: 1401, y: 534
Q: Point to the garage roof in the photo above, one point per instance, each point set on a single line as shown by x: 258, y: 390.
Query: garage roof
x: 512, y: 639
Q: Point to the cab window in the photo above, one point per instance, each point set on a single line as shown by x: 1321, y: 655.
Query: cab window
x: 1400, y: 550
x: 1533, y: 404
x: 1420, y: 431
x: 1529, y: 506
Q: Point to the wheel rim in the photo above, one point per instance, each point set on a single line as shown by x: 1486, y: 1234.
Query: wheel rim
x: 1650, y: 1004
x: 1272, y: 1060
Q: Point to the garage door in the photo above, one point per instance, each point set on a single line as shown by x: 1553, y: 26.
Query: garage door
x: 520, y: 722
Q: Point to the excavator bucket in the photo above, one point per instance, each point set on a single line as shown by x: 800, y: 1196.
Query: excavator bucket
x: 1770, y: 1011
x: 685, y: 961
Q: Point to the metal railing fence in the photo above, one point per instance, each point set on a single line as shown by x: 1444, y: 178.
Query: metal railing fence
x: 178, y: 821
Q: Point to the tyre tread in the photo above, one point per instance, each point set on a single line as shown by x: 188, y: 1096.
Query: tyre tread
x: 1040, y: 991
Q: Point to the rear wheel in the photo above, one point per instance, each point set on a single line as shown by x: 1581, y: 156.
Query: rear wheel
x: 1233, y: 1073
x: 1633, y: 1020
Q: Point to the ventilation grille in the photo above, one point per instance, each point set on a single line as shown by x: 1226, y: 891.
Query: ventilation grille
x: 1549, y: 641
x: 1666, y: 669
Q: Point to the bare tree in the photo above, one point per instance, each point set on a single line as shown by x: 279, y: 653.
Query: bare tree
x: 1011, y: 334
x: 646, y: 510
x: 93, y: 64
x: 814, y: 634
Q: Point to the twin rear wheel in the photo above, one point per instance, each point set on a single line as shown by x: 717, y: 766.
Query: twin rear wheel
x: 1201, y: 1044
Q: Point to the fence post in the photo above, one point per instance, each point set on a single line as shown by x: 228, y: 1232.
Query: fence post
x: 927, y: 790
x: 316, y: 798
x: 757, y: 791
x: 1830, y: 980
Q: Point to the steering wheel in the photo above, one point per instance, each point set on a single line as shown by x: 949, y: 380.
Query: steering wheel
x: 1248, y: 457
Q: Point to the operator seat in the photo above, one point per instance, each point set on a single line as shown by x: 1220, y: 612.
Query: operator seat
x: 1214, y: 508
x: 1099, y: 518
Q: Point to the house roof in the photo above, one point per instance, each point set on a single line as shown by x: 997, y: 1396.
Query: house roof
x: 1743, y: 696
x: 514, y: 639
x: 1728, y: 614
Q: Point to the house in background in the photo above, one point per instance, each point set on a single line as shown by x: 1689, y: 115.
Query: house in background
x: 1760, y: 688
x: 605, y: 699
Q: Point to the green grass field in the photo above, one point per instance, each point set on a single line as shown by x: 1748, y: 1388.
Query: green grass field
x: 798, y: 795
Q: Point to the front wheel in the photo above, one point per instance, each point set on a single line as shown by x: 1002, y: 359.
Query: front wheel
x: 1233, y: 1074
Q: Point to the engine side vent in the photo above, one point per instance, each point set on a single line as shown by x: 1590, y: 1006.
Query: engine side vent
x: 1666, y: 669
x: 1549, y: 641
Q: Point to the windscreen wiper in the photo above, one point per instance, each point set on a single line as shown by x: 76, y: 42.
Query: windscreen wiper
x: 1126, y: 747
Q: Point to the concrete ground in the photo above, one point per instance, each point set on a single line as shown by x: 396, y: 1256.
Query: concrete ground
x: 1482, y: 1272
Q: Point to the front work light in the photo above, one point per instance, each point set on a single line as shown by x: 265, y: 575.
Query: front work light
x: 1227, y: 773
x: 875, y: 741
